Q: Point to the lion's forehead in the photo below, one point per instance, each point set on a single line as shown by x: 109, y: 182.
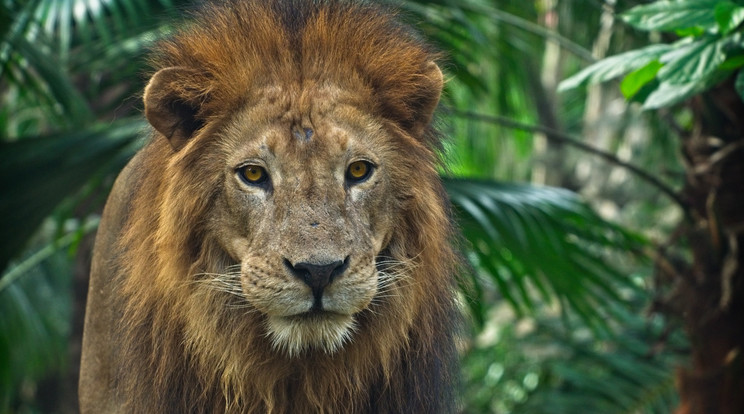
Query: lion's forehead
x: 303, y: 131
x: 310, y: 102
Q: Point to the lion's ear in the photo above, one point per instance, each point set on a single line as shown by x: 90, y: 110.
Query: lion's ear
x: 173, y: 98
x: 427, y: 100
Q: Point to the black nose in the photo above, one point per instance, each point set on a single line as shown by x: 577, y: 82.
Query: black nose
x: 317, y: 275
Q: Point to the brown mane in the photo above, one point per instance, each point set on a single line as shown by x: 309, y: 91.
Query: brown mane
x: 190, y: 349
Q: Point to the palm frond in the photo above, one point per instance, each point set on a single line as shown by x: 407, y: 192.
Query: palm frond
x: 72, y: 23
x: 533, y: 366
x: 48, y: 47
x: 621, y: 376
x: 35, y: 316
x: 543, y: 245
x: 36, y: 174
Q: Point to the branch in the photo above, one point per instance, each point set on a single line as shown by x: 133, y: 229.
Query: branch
x: 560, y: 137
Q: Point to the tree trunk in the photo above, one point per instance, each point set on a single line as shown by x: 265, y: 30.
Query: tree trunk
x: 710, y: 292
x: 544, y: 96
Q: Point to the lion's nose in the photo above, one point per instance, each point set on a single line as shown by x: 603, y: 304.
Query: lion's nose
x: 317, y: 275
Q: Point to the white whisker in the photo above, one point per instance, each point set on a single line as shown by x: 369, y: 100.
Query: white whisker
x: 227, y: 282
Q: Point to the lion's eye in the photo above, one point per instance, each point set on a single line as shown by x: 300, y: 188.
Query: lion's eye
x: 253, y: 174
x: 358, y: 171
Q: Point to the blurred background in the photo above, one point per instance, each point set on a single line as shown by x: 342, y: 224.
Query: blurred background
x: 603, y: 222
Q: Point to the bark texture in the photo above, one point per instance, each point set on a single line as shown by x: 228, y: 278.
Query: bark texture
x: 710, y: 291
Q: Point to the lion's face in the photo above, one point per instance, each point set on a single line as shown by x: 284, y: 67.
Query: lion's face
x: 306, y: 209
x: 315, y: 162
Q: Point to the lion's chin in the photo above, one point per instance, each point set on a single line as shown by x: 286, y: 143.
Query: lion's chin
x: 326, y: 331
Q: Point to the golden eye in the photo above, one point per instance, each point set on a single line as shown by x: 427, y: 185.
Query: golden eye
x: 358, y: 171
x: 253, y: 174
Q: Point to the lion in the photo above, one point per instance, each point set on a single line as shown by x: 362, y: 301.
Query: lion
x: 283, y: 242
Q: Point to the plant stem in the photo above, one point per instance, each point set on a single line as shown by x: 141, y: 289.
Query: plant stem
x: 44, y: 253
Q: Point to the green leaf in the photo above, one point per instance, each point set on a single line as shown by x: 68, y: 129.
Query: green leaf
x: 641, y: 381
x: 634, y: 81
x: 579, y: 373
x: 541, y: 243
x: 670, y: 94
x: 669, y: 16
x: 25, y: 266
x: 60, y: 85
x: 694, y: 61
x: 691, y: 68
x: 615, y: 66
x: 35, y: 315
x: 728, y: 16
x: 732, y: 62
x: 690, y: 32
x: 31, y: 190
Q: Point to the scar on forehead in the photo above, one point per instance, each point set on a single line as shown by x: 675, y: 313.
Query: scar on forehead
x: 302, y: 134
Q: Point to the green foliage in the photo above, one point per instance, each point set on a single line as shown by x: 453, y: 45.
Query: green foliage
x: 637, y: 79
x: 568, y: 372
x: 710, y: 50
x: 614, y: 66
x: 68, y: 70
x: 619, y: 376
x: 579, y: 341
x: 483, y: 45
x: 78, y: 158
x: 71, y: 72
x: 35, y: 315
x: 542, y: 244
x: 670, y: 16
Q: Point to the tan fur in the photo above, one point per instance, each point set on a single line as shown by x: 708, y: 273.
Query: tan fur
x: 192, y: 306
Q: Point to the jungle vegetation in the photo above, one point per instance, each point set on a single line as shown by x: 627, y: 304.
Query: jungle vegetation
x: 595, y: 161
